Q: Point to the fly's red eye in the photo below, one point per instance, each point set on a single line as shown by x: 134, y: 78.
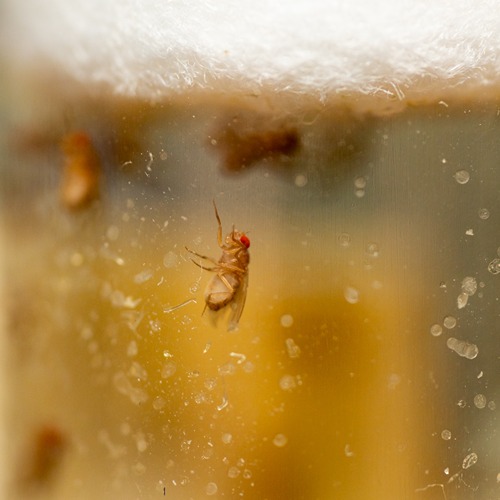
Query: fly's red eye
x: 244, y: 239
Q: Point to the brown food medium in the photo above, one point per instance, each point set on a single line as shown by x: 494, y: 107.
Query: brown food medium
x: 81, y: 171
x: 243, y: 144
x: 47, y: 451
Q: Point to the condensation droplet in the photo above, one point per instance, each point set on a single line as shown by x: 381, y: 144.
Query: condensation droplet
x: 450, y: 322
x: 372, y: 250
x: 112, y: 233
x: 280, y: 440
x: 348, y: 452
x: 227, y: 438
x: 300, y: 180
x: 480, y: 401
x: 233, y: 472
x: 292, y: 349
x: 76, y: 259
x: 446, y: 435
x: 494, y: 266
x: 436, y: 330
x: 344, y: 239
x: 462, y: 348
x: 132, y: 349
x: 168, y: 369
x: 462, y: 300
x: 469, y: 460
x: 211, y: 489
x: 159, y: 403
x: 170, y: 260
x: 469, y: 285
x: 462, y: 176
x: 484, y: 213
x: 143, y: 276
x: 287, y: 382
x: 286, y: 320
x: 351, y: 295
x: 359, y: 193
x: 360, y: 182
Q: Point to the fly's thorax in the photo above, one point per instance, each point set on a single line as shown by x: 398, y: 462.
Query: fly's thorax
x: 235, y: 250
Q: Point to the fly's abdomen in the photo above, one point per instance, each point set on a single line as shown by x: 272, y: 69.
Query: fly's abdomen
x: 221, y: 290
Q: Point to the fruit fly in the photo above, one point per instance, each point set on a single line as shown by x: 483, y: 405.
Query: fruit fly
x: 229, y: 285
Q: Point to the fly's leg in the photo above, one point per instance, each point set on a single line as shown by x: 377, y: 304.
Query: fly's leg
x: 213, y: 269
x: 219, y: 229
x: 224, y: 280
x: 213, y: 261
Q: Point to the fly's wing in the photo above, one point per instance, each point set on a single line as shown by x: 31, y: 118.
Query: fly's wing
x: 237, y: 304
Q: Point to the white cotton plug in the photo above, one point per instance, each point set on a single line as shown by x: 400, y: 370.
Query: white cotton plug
x: 153, y: 48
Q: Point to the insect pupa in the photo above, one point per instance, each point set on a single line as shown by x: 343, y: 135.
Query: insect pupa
x: 228, y: 287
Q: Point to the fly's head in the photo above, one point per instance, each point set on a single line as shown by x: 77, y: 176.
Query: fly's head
x: 238, y: 238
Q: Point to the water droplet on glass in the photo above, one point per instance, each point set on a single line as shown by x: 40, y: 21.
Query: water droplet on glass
x: 168, y: 369
x: 210, y: 383
x: 359, y: 193
x: 112, y: 233
x: 292, y: 348
x: 484, y: 213
x: 286, y: 320
x: 449, y: 322
x: 462, y: 176
x: 347, y: 451
x: 287, y: 382
x: 480, y: 401
x: 300, y: 180
x: 446, y: 435
x: 436, y: 330
x: 469, y: 285
x: 494, y: 266
x: 469, y: 232
x: 360, y: 182
x: 159, y: 403
x: 344, y: 239
x: 351, y: 295
x: 469, y: 460
x: 280, y: 440
x: 143, y: 276
x: 462, y: 348
x: 462, y: 300
x: 227, y: 438
x: 132, y: 349
x: 492, y: 405
x: 170, y: 260
x: 462, y: 403
x: 211, y: 489
x: 372, y: 250
x: 233, y: 472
